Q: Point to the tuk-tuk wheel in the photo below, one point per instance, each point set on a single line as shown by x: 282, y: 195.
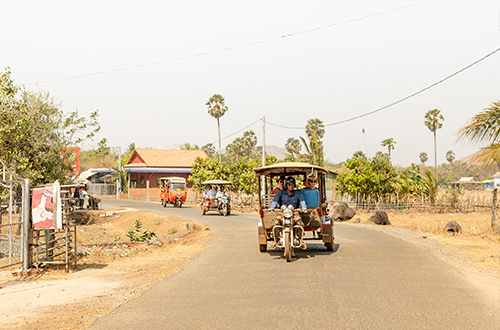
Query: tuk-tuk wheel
x: 329, y: 246
x: 202, y: 210
x: 262, y: 247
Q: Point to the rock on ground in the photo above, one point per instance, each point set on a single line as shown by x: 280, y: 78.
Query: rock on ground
x: 341, y: 212
x: 380, y: 218
x: 453, y: 226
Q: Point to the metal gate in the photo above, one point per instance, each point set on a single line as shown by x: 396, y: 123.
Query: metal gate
x: 14, y: 219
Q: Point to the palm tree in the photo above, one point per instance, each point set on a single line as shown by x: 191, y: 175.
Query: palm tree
x: 389, y: 143
x: 433, y: 119
x: 484, y: 128
x: 217, y: 108
x: 450, y: 156
x: 293, y: 147
x: 423, y: 157
x: 315, y: 126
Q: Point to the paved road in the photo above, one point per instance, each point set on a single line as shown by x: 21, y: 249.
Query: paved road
x: 371, y: 281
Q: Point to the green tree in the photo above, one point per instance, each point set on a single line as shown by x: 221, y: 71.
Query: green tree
x: 217, y: 108
x: 433, y: 121
x: 130, y: 148
x: 293, y: 147
x: 359, y: 154
x: 367, y: 178
x: 423, y: 157
x: 389, y: 143
x: 189, y: 146
x: 243, y: 148
x: 209, y: 150
x: 36, y: 136
x: 484, y: 128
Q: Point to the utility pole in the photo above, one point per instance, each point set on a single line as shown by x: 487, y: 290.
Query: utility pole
x: 364, y: 137
x: 263, y: 140
x: 119, y: 188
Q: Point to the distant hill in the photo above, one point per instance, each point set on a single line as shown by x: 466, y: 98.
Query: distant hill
x: 278, y: 152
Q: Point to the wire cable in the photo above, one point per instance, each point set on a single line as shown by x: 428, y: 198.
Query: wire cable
x: 398, y: 101
x: 227, y: 48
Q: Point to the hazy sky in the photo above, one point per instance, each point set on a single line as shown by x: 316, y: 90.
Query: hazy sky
x: 334, y: 73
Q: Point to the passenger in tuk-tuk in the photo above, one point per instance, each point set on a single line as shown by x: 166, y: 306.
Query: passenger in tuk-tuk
x: 310, y: 192
x: 210, y: 193
x: 281, y: 185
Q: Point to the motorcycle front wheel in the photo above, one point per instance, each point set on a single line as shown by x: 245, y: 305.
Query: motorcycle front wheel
x: 288, y: 247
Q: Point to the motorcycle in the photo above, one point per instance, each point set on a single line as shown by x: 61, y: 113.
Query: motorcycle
x: 224, y: 208
x: 287, y: 233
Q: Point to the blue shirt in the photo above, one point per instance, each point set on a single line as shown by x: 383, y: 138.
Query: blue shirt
x: 296, y: 199
x: 311, y: 196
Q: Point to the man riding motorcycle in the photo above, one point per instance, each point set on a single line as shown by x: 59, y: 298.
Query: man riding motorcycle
x: 289, y: 196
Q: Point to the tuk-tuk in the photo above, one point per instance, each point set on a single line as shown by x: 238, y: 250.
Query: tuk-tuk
x: 287, y: 228
x: 173, y: 191
x: 216, y: 197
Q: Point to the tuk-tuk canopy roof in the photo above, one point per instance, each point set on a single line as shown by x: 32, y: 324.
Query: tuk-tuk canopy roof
x: 289, y: 168
x: 174, y: 179
x: 216, y: 182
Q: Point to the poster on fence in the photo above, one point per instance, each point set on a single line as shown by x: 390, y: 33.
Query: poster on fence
x: 46, y: 209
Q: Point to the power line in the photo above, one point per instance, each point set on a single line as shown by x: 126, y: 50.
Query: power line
x: 227, y: 48
x: 398, y: 101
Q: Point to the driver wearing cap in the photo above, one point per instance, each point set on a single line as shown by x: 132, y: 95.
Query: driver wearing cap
x: 289, y: 196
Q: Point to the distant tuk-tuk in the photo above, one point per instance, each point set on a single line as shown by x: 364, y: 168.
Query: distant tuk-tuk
x: 287, y: 228
x: 216, y: 197
x: 173, y: 191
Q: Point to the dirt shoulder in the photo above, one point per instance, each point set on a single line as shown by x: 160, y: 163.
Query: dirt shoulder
x: 105, y: 277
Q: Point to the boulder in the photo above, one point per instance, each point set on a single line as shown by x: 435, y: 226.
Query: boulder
x: 357, y: 220
x: 453, y: 227
x: 380, y: 218
x: 341, y: 212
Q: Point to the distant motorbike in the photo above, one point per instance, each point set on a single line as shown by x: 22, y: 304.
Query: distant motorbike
x: 224, y: 207
x: 287, y: 233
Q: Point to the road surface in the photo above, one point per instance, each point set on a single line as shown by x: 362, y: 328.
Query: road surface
x: 370, y: 281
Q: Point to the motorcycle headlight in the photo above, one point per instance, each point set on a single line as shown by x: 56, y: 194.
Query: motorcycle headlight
x: 288, y: 213
x: 288, y: 221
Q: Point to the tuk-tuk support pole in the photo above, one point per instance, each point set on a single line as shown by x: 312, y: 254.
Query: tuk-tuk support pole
x: 263, y: 178
x: 128, y: 184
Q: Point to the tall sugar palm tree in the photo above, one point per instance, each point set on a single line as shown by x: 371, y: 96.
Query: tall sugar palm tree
x: 450, y: 157
x: 423, y: 157
x: 389, y: 143
x: 217, y: 108
x: 433, y: 121
x: 484, y: 128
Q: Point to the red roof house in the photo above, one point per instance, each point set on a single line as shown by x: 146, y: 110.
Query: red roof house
x: 151, y: 164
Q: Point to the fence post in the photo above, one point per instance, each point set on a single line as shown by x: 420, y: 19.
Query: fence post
x: 147, y: 189
x: 26, y: 253
x: 494, y: 209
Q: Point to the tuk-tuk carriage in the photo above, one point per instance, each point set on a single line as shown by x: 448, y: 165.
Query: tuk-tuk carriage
x: 287, y: 228
x: 173, y: 191
x: 216, y: 197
